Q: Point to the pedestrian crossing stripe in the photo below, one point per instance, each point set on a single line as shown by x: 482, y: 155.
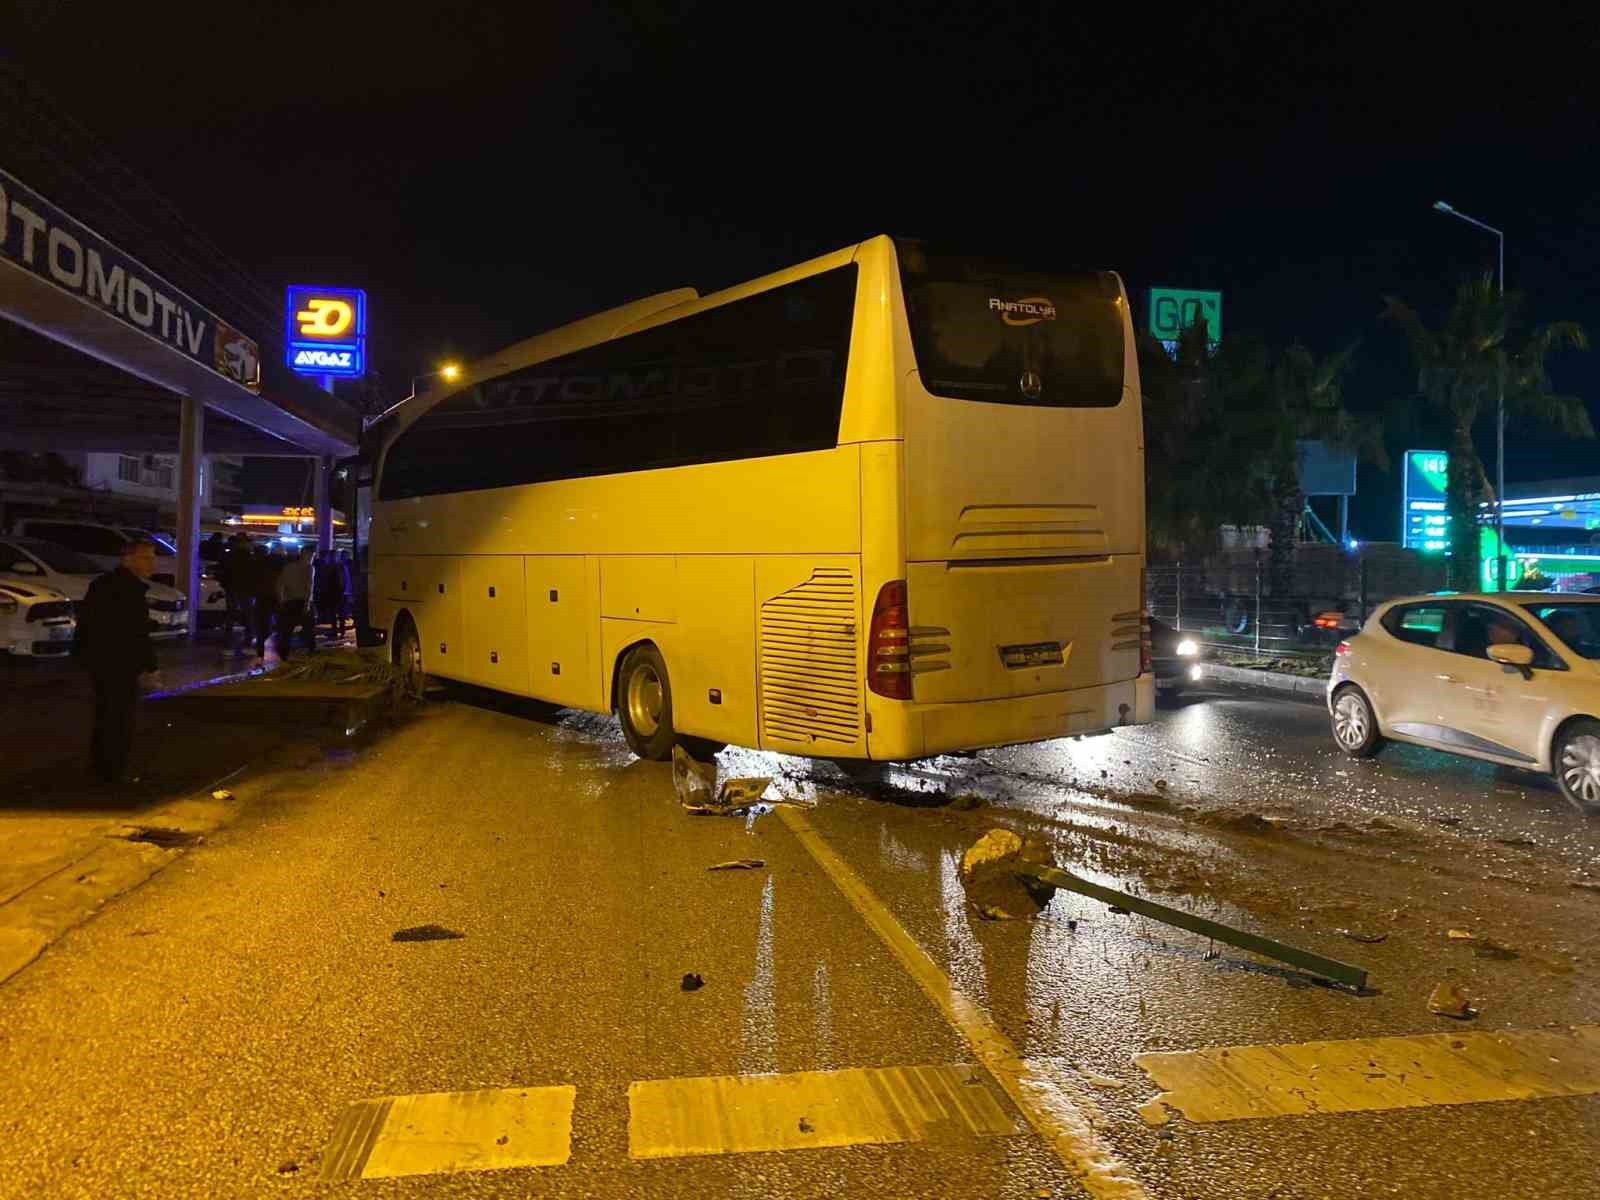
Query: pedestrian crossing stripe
x: 744, y: 1114
x: 1236, y: 1083
x: 437, y: 1133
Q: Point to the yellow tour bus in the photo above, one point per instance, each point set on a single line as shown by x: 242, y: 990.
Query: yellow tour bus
x: 885, y: 504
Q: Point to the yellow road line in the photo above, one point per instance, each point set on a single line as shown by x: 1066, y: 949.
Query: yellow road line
x: 740, y: 1114
x: 436, y: 1133
x: 1237, y: 1083
x: 1057, y: 1108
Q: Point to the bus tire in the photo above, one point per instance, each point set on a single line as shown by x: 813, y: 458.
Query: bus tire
x: 701, y: 749
x: 644, y: 703
x: 408, y: 658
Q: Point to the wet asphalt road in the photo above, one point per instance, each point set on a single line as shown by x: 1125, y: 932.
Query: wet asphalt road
x: 202, y: 1035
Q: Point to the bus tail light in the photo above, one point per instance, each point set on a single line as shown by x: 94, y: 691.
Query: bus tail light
x: 888, y: 643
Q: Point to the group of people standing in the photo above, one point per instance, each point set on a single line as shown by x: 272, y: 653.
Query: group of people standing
x: 294, y: 591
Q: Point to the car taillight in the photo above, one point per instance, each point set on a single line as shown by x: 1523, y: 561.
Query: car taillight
x: 888, y: 643
x: 1341, y: 649
x: 1328, y: 620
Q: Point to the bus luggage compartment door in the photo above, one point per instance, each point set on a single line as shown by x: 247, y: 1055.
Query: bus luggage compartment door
x: 494, y: 622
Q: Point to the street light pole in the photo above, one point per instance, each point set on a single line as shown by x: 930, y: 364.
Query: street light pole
x: 1500, y: 407
x: 449, y: 372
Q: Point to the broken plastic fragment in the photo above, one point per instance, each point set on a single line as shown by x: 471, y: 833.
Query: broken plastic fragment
x: 1448, y: 1000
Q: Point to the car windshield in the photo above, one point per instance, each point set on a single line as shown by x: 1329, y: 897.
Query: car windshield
x: 1575, y: 623
x: 59, y: 558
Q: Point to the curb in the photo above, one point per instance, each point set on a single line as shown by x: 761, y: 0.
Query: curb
x: 1272, y: 681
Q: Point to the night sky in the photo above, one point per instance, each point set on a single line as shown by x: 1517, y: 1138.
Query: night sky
x: 487, y: 175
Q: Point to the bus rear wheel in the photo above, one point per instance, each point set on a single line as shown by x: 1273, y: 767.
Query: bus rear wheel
x: 644, y: 703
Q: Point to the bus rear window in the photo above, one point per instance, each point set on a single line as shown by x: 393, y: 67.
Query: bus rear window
x: 986, y: 331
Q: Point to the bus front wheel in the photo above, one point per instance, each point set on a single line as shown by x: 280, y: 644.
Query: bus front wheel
x: 644, y: 703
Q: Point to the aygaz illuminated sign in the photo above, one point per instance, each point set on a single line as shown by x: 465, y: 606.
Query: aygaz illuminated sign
x: 326, y: 331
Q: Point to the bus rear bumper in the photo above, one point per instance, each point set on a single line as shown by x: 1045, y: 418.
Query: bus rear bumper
x: 908, y: 731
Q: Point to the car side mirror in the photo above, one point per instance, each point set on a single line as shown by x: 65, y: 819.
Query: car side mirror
x: 1513, y: 655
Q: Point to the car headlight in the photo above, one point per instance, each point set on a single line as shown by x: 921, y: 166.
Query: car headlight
x: 1188, y: 648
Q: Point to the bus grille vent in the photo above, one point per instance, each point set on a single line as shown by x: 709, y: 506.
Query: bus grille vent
x: 810, y: 685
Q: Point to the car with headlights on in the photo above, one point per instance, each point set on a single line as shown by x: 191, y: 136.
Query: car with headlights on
x: 1508, y: 677
x: 1176, y: 659
x: 35, y: 621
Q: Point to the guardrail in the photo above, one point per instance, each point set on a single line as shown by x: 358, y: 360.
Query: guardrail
x: 1229, y: 606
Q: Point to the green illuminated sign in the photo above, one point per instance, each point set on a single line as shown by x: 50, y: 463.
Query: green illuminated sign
x: 1424, y: 521
x: 1489, y: 562
x: 1172, y: 310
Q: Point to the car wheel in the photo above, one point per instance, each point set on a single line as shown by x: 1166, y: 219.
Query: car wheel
x: 1577, y: 765
x: 1355, y: 725
x: 408, y: 658
x: 644, y: 703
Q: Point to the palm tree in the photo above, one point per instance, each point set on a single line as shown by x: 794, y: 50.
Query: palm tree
x: 1305, y: 400
x: 1193, y: 455
x: 1460, y: 367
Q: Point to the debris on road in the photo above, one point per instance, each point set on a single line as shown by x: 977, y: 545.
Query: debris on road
x: 995, y: 888
x: 1461, y: 935
x: 222, y: 794
x: 1448, y: 1000
x: 1369, y: 939
x: 1007, y: 876
x: 692, y: 982
x: 739, y: 864
x: 425, y: 933
x: 695, y: 782
x: 1104, y: 1082
x: 739, y: 794
x: 696, y: 785
x: 160, y: 835
x: 1154, y: 1113
x: 1497, y: 951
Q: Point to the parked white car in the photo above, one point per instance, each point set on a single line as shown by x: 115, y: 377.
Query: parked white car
x: 1511, y: 678
x: 32, y: 561
x: 103, y: 544
x: 35, y: 621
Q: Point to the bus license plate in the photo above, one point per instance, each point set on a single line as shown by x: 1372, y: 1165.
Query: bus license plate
x: 1035, y: 654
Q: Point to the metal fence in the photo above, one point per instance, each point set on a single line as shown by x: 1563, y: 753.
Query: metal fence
x: 1228, y: 603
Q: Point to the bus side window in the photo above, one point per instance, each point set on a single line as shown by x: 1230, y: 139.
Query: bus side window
x: 757, y: 376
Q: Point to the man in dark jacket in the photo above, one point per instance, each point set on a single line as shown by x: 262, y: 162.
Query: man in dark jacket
x: 114, y: 644
x: 234, y: 573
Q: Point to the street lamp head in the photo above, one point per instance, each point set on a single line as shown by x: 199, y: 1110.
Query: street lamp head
x: 449, y: 371
x: 1441, y: 206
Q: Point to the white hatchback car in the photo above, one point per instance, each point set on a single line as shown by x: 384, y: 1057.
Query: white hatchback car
x: 35, y: 621
x: 1511, y: 677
